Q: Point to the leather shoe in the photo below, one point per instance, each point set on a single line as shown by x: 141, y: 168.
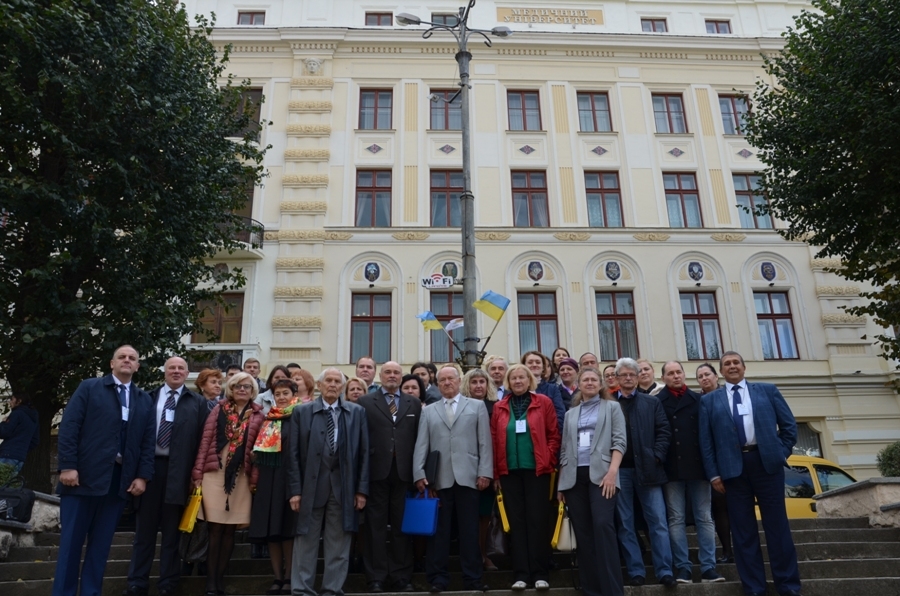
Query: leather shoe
x: 668, y: 581
x: 436, y: 589
x: 165, y: 592
x: 375, y: 588
x: 725, y: 559
x: 637, y: 580
x: 478, y: 587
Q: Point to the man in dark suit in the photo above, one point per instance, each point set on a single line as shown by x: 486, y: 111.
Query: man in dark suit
x: 687, y: 480
x: 179, y: 415
x: 105, y: 454
x: 747, y: 432
x: 328, y: 478
x: 393, y: 420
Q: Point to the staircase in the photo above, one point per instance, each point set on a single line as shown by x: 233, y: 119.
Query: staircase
x: 838, y: 557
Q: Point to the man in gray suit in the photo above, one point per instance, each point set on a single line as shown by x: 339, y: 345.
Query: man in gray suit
x: 457, y: 427
x: 328, y: 478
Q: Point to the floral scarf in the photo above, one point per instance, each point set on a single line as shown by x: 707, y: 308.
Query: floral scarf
x: 269, y: 438
x: 232, y: 431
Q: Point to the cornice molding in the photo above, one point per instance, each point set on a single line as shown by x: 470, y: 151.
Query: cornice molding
x: 295, y: 321
x: 300, y: 263
x: 307, y: 154
x: 827, y: 263
x: 832, y: 319
x: 841, y: 291
x: 305, y: 180
x: 310, y: 106
x: 309, y: 130
x: 313, y: 82
x: 298, y: 291
x: 304, y: 206
x: 307, y: 235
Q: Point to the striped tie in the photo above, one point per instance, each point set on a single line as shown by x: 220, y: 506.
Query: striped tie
x: 392, y: 404
x: 329, y: 421
x: 165, y: 427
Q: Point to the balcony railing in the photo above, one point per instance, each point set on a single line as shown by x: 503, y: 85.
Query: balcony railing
x: 201, y: 356
x: 251, y: 232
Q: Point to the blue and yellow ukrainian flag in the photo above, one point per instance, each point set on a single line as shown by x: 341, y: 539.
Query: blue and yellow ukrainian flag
x: 429, y: 321
x: 492, y: 304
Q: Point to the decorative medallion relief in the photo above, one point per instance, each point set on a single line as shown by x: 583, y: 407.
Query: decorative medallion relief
x: 410, y: 236
x: 372, y: 272
x: 726, y: 237
x: 696, y: 271
x: 614, y: 271
x: 492, y: 236
x: 572, y: 236
x: 536, y: 271
x: 651, y: 237
x: 769, y: 272
x: 298, y: 291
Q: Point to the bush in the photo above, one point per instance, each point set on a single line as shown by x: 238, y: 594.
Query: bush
x: 889, y: 460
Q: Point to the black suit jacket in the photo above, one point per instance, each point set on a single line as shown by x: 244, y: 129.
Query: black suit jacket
x: 684, y: 460
x: 387, y: 437
x: 190, y: 417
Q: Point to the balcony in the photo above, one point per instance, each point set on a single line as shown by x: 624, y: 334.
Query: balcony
x: 201, y: 356
x: 250, y: 235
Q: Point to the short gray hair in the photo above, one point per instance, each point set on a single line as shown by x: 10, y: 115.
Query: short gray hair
x: 322, y: 374
x: 627, y: 363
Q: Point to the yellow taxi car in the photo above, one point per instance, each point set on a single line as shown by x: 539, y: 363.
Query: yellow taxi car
x: 805, y: 476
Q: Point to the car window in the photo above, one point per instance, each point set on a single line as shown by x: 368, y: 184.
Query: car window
x: 798, y: 483
x: 831, y: 478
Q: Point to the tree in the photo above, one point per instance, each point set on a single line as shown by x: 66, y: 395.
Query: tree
x: 828, y: 130
x: 117, y: 183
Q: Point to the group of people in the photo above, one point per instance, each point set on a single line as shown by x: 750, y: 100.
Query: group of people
x: 301, y: 461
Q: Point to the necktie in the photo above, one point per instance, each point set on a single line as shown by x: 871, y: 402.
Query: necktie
x: 329, y: 421
x: 449, y: 404
x: 392, y: 404
x: 165, y: 427
x: 124, y: 403
x: 738, y: 419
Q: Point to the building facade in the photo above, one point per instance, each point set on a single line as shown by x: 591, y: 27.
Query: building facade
x: 614, y: 198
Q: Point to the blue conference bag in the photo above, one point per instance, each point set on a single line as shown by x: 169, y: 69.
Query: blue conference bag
x: 420, y: 518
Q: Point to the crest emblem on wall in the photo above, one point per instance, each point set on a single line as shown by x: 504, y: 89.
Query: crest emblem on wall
x: 449, y: 269
x: 767, y: 270
x: 535, y: 271
x: 372, y: 272
x: 695, y: 270
x: 613, y: 271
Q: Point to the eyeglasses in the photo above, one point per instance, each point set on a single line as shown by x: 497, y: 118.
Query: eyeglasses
x: 627, y: 375
x: 243, y: 387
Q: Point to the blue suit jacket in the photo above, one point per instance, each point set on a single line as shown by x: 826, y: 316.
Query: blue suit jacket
x: 89, y: 437
x: 773, y: 422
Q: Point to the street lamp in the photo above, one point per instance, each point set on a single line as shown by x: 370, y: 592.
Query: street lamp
x: 471, y: 356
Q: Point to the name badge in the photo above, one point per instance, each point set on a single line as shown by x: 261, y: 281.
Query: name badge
x: 742, y: 409
x: 520, y: 427
x: 124, y: 414
x: 170, y: 415
x: 584, y: 439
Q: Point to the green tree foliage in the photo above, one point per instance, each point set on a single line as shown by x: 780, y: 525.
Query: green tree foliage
x: 117, y: 184
x: 828, y: 129
x: 888, y: 460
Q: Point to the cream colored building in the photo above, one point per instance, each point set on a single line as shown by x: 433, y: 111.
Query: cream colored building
x: 632, y: 164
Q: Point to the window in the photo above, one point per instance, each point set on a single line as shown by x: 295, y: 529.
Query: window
x: 603, y: 203
x: 222, y: 320
x: 776, y: 329
x: 682, y: 201
x: 798, y: 483
x: 450, y: 20
x: 446, y: 187
x: 750, y: 201
x: 251, y: 104
x: 373, y: 199
x: 654, y: 25
x: 378, y: 19
x: 808, y: 442
x: 701, y: 325
x: 446, y: 306
x: 734, y: 113
x: 616, y: 325
x: 668, y: 111
x: 593, y: 112
x: 537, y: 322
x: 831, y: 478
x: 370, y: 327
x: 446, y: 114
x: 524, y: 110
x: 251, y: 18
x: 375, y: 109
x: 718, y: 27
x: 530, y: 200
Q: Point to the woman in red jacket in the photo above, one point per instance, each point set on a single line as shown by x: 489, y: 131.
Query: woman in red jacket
x: 525, y: 438
x: 224, y: 470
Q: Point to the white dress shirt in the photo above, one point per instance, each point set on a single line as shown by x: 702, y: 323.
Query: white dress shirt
x: 334, y: 411
x: 749, y: 430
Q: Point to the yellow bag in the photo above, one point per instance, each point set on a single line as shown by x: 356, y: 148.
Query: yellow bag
x: 189, y: 517
x: 564, y: 536
x: 502, y: 509
x: 553, y: 485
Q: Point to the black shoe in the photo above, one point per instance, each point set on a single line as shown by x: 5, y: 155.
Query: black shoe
x: 637, y: 580
x: 725, y: 559
x: 375, y: 588
x: 436, y: 589
x: 134, y: 591
x: 404, y: 586
x: 668, y: 581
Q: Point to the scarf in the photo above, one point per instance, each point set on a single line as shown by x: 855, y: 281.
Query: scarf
x: 678, y: 392
x: 231, y: 430
x: 269, y: 441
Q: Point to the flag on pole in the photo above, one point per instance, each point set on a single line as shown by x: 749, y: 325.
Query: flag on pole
x: 429, y: 321
x: 454, y: 324
x: 492, y: 304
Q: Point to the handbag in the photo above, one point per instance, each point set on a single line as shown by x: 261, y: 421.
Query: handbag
x: 502, y: 509
x: 193, y: 546
x: 496, y: 539
x: 420, y: 516
x: 564, y: 535
x: 16, y: 504
x: 189, y: 517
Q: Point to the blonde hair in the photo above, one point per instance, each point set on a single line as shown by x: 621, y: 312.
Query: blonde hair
x: 532, y: 381
x: 236, y: 380
x: 477, y: 372
x: 604, y: 390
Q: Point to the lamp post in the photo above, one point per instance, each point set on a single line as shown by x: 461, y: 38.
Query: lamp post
x: 471, y: 356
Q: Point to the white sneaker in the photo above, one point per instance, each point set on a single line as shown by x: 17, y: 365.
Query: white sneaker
x: 520, y: 586
x: 541, y: 585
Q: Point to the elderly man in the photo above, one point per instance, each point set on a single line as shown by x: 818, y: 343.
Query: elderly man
x: 106, y: 446
x: 457, y: 427
x: 180, y: 415
x: 393, y: 420
x: 588, y: 360
x: 747, y: 432
x: 328, y: 478
x: 642, y: 474
x: 496, y: 367
x: 365, y: 370
x: 684, y: 467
